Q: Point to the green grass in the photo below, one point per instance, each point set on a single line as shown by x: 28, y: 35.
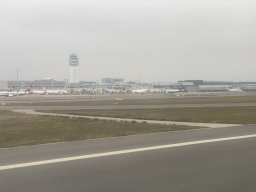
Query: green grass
x: 179, y: 100
x: 20, y: 129
x: 229, y: 115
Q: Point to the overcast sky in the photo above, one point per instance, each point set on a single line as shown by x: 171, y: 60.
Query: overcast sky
x: 150, y: 40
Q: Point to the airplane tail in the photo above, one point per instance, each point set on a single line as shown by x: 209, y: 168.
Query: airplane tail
x: 45, y: 89
x: 11, y: 89
x: 29, y: 88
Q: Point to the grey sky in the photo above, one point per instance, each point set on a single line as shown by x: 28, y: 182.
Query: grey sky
x: 131, y: 39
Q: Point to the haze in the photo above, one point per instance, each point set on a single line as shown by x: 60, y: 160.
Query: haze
x: 147, y: 40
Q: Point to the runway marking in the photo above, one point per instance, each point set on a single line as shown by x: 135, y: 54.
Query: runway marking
x: 21, y: 165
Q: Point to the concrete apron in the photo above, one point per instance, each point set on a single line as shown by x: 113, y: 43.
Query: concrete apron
x: 210, y: 125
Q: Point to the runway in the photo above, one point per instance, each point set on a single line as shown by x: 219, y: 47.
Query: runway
x: 216, y: 166
x: 63, y: 98
x: 114, y: 106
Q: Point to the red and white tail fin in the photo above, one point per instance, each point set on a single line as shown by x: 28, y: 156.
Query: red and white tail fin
x: 45, y: 88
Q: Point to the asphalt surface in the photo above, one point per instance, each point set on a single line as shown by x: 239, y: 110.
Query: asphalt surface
x: 216, y: 166
x: 115, y: 106
x: 68, y: 98
x: 62, y: 98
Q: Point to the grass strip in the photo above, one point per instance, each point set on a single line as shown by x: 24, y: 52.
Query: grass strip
x: 164, y: 101
x: 21, y: 130
x: 226, y: 115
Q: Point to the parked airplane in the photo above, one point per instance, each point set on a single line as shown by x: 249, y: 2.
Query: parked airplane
x: 20, y: 93
x: 31, y: 91
x: 140, y: 91
x: 55, y: 92
x: 234, y: 90
x: 11, y: 93
x: 171, y: 91
x: 112, y: 91
x: 155, y: 90
x: 7, y: 93
x: 63, y: 92
x: 11, y: 89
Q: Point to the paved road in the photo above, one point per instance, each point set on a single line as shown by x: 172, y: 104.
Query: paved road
x: 114, y: 106
x: 216, y: 166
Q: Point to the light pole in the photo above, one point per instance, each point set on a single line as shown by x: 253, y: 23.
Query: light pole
x: 17, y: 79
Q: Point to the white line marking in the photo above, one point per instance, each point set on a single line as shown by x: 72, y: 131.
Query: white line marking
x: 120, y: 152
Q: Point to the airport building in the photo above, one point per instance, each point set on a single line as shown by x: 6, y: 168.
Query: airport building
x: 167, y: 86
x: 73, y: 71
x: 36, y: 84
x: 3, y: 85
x: 247, y: 87
x: 214, y: 88
x: 112, y: 80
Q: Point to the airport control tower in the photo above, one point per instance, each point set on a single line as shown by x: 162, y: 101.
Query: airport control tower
x: 73, y: 71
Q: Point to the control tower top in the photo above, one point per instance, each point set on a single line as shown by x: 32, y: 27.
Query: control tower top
x: 73, y: 60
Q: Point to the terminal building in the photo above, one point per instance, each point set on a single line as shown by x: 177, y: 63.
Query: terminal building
x: 3, y: 85
x: 36, y: 84
x: 112, y: 80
